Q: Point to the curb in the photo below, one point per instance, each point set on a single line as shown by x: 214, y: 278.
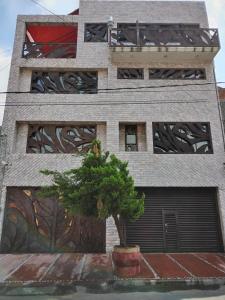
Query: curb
x: 110, y: 286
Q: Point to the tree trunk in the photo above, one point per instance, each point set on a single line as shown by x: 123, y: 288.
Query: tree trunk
x: 120, y: 228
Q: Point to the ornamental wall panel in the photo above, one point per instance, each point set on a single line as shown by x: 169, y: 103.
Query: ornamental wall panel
x: 182, y: 138
x: 34, y: 225
x: 60, y: 139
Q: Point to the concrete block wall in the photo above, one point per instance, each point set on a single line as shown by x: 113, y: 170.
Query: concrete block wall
x: 178, y: 104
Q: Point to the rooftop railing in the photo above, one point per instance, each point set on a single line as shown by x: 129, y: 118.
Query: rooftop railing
x: 49, y: 50
x: 146, y: 37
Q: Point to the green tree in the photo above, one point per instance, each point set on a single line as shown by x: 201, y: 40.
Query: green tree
x: 101, y: 187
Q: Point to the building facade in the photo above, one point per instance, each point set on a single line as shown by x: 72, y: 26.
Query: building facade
x: 221, y: 95
x: 138, y: 76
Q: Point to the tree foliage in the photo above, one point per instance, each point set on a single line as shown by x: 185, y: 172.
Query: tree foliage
x: 101, y: 187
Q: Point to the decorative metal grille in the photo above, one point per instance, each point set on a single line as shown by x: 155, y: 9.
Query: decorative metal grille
x: 35, y: 225
x: 67, y: 82
x: 49, y: 50
x: 130, y: 73
x: 96, y: 32
x: 60, y: 139
x: 183, y: 138
x: 147, y: 35
x: 191, y: 74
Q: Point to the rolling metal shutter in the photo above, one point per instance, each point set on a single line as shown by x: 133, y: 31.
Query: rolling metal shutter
x: 177, y: 220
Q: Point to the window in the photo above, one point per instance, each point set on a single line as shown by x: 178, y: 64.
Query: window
x: 80, y: 82
x: 60, y: 139
x: 131, y: 138
x: 176, y: 74
x: 182, y: 138
x: 130, y: 73
x: 96, y: 32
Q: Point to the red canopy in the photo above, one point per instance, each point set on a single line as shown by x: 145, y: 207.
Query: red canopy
x: 52, y: 33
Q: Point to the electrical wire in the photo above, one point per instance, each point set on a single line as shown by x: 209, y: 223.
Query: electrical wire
x: 132, y: 88
x: 45, y: 8
x: 111, y: 103
x: 112, y: 92
x: 55, y: 40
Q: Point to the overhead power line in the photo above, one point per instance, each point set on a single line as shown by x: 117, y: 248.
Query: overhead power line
x: 45, y: 8
x: 131, y: 89
x: 112, y: 92
x: 111, y: 103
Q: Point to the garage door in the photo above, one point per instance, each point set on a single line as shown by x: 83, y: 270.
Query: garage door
x: 178, y: 220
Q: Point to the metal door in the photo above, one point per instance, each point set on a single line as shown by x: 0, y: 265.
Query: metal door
x: 170, y: 230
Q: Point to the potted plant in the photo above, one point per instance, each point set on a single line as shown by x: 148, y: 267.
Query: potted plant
x: 101, y: 187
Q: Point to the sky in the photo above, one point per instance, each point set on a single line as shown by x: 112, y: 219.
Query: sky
x: 9, y: 9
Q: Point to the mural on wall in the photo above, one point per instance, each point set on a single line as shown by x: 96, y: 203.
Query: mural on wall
x: 186, y: 138
x: 34, y: 224
x: 60, y: 139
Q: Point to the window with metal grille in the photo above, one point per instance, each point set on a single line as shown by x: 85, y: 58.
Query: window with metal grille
x: 79, y: 82
x: 176, y: 74
x: 182, y: 138
x: 96, y: 32
x: 50, y: 138
x: 131, y: 73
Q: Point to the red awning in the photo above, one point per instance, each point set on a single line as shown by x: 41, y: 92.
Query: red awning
x: 52, y: 33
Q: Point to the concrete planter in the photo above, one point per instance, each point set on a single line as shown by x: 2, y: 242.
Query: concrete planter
x: 126, y: 260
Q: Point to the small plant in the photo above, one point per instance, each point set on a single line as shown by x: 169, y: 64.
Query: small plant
x: 101, y: 187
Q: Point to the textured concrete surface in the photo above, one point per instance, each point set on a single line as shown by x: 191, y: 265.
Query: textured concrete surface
x: 48, y: 269
x: 175, y: 295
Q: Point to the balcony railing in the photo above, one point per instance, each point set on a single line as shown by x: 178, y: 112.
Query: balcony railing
x: 49, y: 50
x: 145, y: 37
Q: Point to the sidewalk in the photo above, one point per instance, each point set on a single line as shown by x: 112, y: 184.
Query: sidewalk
x: 83, y: 268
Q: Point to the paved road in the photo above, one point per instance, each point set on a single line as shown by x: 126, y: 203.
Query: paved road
x: 218, y: 294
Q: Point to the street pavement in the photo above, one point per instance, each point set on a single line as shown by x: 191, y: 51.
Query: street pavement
x: 217, y: 294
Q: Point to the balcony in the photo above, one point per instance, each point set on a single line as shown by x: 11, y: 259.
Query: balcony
x: 143, y: 41
x: 50, y: 41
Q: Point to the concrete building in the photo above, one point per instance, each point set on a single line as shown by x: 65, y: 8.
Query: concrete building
x: 221, y: 95
x: 133, y: 74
